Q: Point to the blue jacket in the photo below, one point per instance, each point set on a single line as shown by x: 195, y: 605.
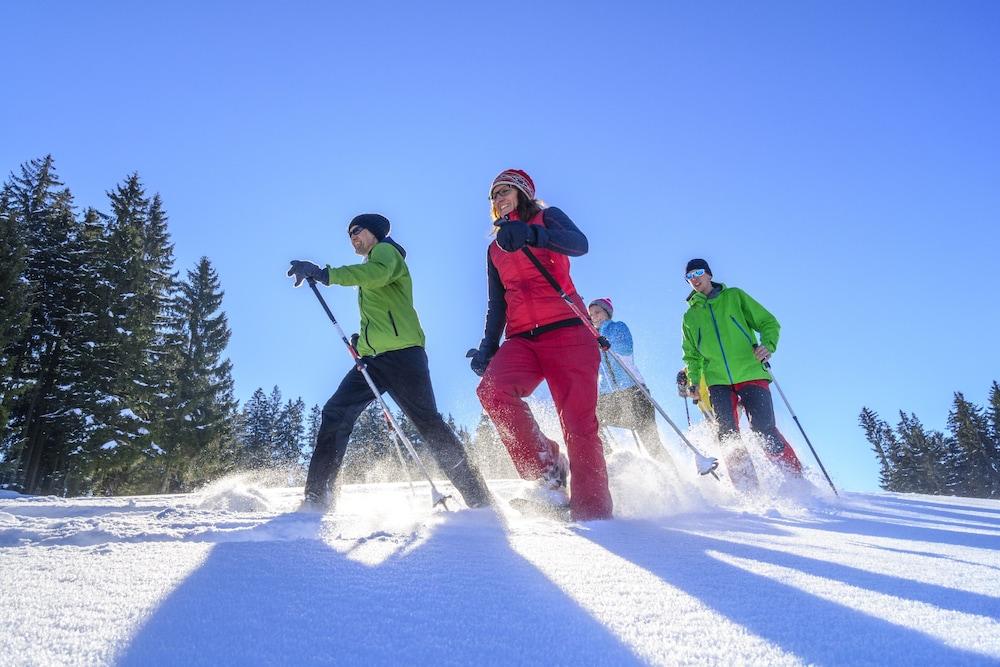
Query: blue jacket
x: 613, y: 376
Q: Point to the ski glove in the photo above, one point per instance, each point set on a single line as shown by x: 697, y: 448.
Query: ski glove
x: 354, y: 341
x: 480, y: 358
x: 302, y: 270
x: 515, y: 234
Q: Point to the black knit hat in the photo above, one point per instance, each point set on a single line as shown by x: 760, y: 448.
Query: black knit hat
x: 377, y: 224
x: 695, y: 264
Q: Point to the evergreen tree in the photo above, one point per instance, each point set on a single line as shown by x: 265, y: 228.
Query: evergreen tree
x: 42, y: 416
x: 258, y: 430
x: 314, y: 422
x: 368, y: 445
x: 489, y: 452
x: 197, y: 408
x: 922, y: 453
x: 884, y: 443
x: 138, y: 286
x: 289, y: 430
x: 993, y: 419
x: 978, y: 461
x: 15, y: 298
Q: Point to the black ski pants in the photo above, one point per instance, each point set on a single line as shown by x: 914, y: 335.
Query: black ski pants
x: 629, y: 408
x: 404, y: 374
x: 755, y: 397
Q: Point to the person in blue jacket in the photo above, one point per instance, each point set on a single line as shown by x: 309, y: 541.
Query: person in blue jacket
x: 620, y: 401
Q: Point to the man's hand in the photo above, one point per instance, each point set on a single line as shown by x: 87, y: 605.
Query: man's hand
x: 762, y: 353
x: 303, y: 269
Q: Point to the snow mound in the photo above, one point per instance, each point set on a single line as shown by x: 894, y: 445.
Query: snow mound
x: 234, y: 495
x: 9, y: 495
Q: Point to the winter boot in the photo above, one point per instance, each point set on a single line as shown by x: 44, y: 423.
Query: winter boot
x: 551, y: 487
x: 741, y: 471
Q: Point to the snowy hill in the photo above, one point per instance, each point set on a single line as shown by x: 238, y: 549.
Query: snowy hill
x: 686, y: 576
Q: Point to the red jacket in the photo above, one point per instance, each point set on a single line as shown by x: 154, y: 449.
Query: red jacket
x: 520, y: 297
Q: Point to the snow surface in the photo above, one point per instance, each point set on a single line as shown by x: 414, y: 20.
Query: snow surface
x: 688, y: 574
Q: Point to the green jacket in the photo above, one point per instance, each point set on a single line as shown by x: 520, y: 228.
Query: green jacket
x: 719, y: 335
x: 385, y: 299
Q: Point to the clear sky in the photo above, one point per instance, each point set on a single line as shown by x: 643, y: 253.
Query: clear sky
x: 839, y: 161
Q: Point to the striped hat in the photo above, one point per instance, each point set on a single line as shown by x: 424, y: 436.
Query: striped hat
x: 517, y: 178
x: 605, y: 303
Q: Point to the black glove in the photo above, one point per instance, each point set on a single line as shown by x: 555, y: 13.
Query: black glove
x: 481, y: 358
x: 302, y: 270
x: 354, y: 341
x: 515, y: 234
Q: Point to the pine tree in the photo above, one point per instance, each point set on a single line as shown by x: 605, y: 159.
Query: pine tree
x: 314, y: 422
x: 258, y: 430
x: 368, y: 445
x: 288, y: 433
x: 993, y: 419
x: 922, y: 454
x: 978, y: 459
x: 42, y: 416
x: 884, y: 443
x: 15, y: 298
x: 138, y: 286
x: 197, y: 408
x: 489, y: 452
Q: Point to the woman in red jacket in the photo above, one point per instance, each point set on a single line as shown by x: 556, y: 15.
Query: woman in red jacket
x: 545, y: 340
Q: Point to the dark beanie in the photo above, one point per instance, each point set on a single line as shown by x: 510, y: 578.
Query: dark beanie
x: 695, y: 264
x: 377, y: 224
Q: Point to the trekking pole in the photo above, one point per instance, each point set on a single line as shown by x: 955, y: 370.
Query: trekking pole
x: 706, y: 464
x: 641, y: 448
x: 799, y: 424
x: 687, y: 412
x: 402, y: 461
x: 437, y: 497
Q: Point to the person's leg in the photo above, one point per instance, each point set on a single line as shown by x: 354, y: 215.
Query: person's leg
x: 609, y: 413
x: 339, y: 414
x: 513, y: 373
x: 756, y: 398
x: 406, y: 377
x: 725, y: 401
x: 569, y: 360
x: 642, y: 416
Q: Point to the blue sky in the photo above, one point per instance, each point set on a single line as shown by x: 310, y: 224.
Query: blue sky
x: 838, y: 161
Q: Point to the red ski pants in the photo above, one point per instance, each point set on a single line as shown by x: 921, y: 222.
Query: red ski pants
x: 567, y: 359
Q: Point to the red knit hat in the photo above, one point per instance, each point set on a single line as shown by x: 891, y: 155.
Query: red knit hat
x: 517, y: 178
x: 605, y: 303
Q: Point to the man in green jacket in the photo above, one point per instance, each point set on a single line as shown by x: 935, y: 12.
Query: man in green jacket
x: 720, y: 345
x: 391, y: 343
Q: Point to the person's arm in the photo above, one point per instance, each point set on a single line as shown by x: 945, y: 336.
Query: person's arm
x: 620, y: 337
x: 693, y: 360
x: 496, y: 310
x: 761, y: 319
x: 383, y: 266
x: 559, y: 234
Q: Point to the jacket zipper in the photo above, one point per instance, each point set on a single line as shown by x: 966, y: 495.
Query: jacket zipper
x: 719, y: 337
x: 742, y: 330
x: 393, y: 323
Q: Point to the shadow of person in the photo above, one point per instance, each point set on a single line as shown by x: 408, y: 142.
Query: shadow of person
x: 284, y: 596
x: 814, y: 629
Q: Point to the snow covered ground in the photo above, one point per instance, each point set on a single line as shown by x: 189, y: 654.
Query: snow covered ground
x: 687, y: 575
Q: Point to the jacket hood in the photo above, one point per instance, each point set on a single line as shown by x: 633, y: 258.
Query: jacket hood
x: 401, y: 249
x: 696, y: 297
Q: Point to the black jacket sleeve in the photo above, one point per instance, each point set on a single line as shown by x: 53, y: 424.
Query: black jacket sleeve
x: 561, y: 235
x: 496, y: 309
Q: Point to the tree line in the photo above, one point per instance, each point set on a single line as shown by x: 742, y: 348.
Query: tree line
x: 113, y: 375
x: 963, y: 462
